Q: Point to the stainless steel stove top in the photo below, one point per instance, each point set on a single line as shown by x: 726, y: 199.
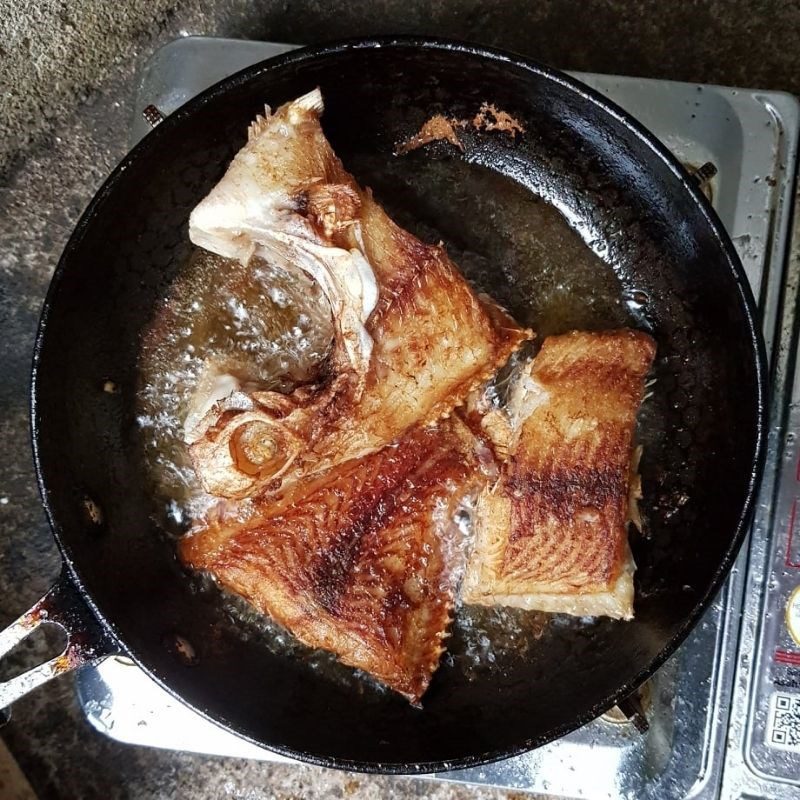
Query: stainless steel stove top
x: 724, y: 717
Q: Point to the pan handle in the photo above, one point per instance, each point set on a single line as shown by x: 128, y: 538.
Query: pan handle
x: 87, y: 641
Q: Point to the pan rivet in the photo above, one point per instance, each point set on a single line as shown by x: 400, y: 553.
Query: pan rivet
x: 183, y: 649
x: 110, y: 387
x: 93, y: 511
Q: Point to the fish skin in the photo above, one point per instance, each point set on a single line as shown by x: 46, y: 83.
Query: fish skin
x: 432, y: 340
x: 551, y: 532
x: 355, y: 561
x: 258, y: 208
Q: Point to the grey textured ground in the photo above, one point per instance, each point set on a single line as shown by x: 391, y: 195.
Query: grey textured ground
x: 66, y: 79
x: 54, y: 54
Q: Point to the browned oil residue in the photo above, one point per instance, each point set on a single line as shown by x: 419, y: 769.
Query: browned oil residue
x: 443, y: 129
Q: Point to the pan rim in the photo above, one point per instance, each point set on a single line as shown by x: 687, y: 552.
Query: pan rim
x: 495, y: 55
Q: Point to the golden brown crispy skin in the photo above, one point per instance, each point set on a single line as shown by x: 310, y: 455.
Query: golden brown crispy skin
x: 354, y: 561
x: 551, y: 534
x: 433, y: 342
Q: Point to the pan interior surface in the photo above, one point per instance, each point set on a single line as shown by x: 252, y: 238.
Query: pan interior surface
x: 629, y: 244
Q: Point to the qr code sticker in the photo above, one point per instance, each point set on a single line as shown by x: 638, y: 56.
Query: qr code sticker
x: 783, y: 729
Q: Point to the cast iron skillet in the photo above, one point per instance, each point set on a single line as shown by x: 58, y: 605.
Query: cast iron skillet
x: 123, y: 590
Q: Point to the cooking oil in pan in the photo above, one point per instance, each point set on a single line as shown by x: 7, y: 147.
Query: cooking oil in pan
x: 508, y: 242
x: 257, y: 322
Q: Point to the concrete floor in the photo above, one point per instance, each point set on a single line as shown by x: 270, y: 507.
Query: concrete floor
x: 54, y: 55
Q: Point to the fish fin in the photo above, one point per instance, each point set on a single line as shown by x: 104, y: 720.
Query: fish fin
x: 259, y: 124
x: 311, y: 101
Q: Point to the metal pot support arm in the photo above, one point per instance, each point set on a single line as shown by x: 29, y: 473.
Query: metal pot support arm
x: 87, y: 641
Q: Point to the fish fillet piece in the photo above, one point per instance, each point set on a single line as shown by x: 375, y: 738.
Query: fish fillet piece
x: 432, y: 340
x: 283, y: 195
x: 551, y: 534
x: 361, y: 561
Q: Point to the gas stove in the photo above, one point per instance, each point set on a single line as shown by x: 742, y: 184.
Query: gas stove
x: 722, y: 717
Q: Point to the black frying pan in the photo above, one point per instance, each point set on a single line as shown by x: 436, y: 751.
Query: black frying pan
x: 703, y: 430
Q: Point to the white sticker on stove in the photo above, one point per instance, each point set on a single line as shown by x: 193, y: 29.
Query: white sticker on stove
x: 783, y: 724
x: 793, y: 615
